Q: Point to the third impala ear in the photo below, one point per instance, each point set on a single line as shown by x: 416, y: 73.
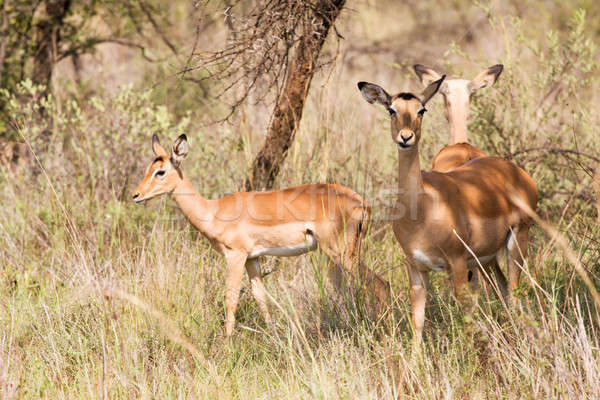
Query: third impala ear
x: 486, y: 78
x: 426, y: 75
x: 180, y: 150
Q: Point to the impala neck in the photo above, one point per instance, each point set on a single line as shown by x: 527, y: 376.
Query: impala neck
x: 410, y: 182
x: 457, y: 117
x: 197, y: 209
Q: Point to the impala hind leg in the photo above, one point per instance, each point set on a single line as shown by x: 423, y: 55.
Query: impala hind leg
x: 335, y: 273
x: 353, y: 242
x: 348, y: 259
x: 418, y: 300
x: 331, y: 249
x: 257, y: 287
x: 370, y: 281
x: 235, y: 272
x: 517, y: 251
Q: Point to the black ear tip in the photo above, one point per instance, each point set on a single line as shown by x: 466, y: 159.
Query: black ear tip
x: 497, y: 68
x: 182, y: 137
x: 155, y: 138
x: 361, y: 85
x: 418, y: 67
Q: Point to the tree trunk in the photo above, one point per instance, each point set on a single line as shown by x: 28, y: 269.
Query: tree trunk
x: 47, y: 39
x: 3, y: 35
x: 290, y: 102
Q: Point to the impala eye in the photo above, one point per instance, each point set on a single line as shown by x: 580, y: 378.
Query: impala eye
x: 160, y: 173
x: 391, y: 111
x: 421, y: 111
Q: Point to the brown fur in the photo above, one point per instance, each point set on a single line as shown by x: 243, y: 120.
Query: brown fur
x: 453, y: 156
x: 437, y: 212
x: 240, y: 224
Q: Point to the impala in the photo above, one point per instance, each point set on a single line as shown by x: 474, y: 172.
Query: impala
x: 457, y: 94
x: 473, y: 205
x: 244, y: 226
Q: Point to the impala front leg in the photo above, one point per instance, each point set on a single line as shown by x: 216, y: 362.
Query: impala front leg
x: 475, y: 278
x: 460, y: 279
x: 235, y: 272
x: 418, y: 299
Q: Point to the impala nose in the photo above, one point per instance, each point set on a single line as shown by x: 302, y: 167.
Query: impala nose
x: 138, y: 198
x: 406, y: 136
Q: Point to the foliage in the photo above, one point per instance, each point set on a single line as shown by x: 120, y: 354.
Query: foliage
x: 36, y: 35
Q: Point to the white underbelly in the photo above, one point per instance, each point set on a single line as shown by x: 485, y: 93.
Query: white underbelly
x: 287, y: 251
x: 425, y: 261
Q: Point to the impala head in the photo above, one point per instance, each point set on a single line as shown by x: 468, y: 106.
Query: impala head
x: 457, y: 94
x: 406, y: 110
x: 163, y: 173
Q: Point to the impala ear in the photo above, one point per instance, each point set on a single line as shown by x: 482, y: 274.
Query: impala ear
x: 180, y: 150
x: 157, y: 148
x: 485, y: 78
x: 426, y: 74
x: 431, y: 90
x: 375, y: 94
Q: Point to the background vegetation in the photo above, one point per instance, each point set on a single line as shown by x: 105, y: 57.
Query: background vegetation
x: 101, y: 298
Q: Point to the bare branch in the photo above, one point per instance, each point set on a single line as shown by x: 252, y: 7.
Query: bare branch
x: 157, y: 29
x: 90, y: 43
x: 256, y: 55
x: 557, y: 150
x: 3, y: 32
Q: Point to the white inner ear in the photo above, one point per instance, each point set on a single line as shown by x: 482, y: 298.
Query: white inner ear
x: 182, y: 149
x: 179, y: 151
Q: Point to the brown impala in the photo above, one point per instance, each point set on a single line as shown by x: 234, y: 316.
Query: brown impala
x: 457, y: 94
x: 247, y: 225
x: 471, y: 204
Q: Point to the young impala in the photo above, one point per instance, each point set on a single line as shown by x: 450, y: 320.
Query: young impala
x: 457, y: 94
x: 247, y: 225
x: 471, y: 204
